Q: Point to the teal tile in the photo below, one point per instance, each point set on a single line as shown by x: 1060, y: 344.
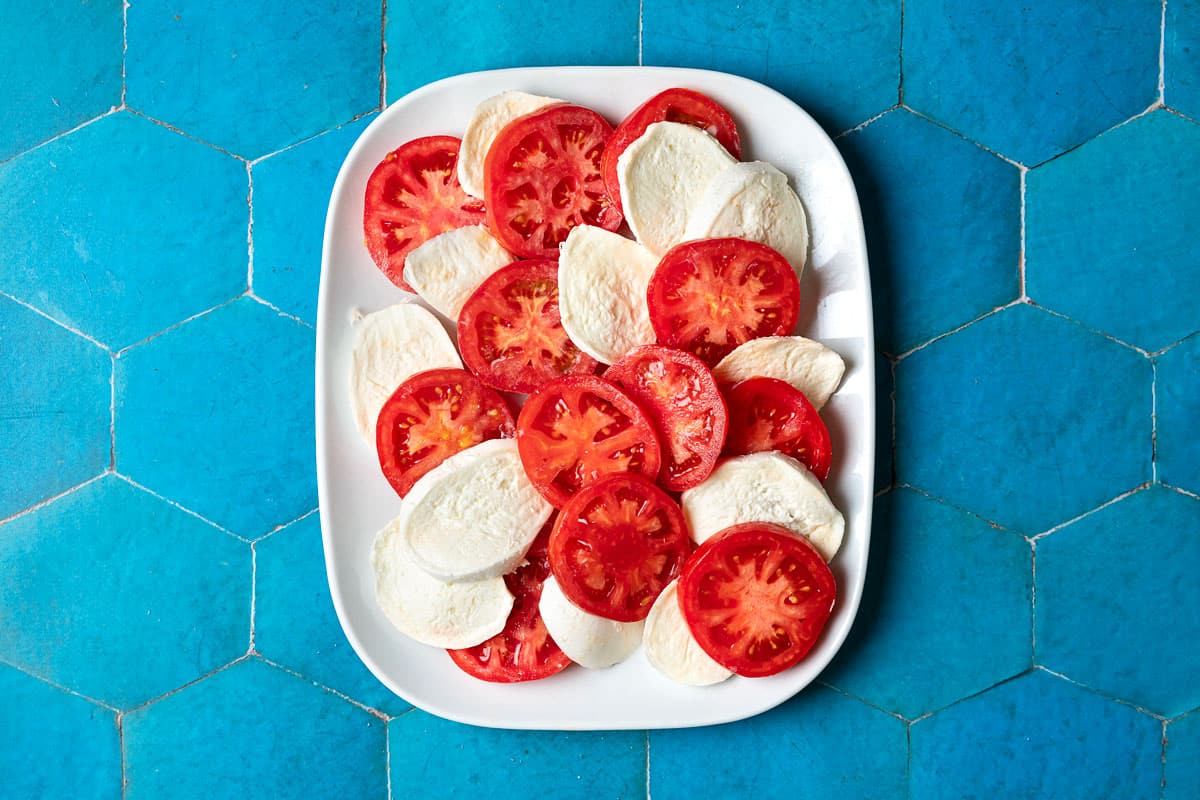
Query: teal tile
x: 1031, y: 80
x: 1181, y: 57
x: 254, y: 731
x: 1092, y: 251
x: 1177, y: 407
x: 1182, y: 766
x: 117, y: 595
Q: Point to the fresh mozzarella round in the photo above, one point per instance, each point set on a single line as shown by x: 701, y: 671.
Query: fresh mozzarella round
x: 451, y: 615
x: 663, y: 175
x: 764, y: 487
x: 671, y: 648
x: 807, y: 365
x: 390, y: 346
x: 602, y: 280
x: 486, y: 121
x: 474, y: 515
x: 588, y: 640
x: 446, y: 269
x: 752, y: 200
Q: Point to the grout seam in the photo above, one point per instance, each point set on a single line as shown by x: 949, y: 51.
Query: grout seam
x: 124, y: 52
x: 57, y: 136
x: 43, y: 503
x: 937, y: 498
x: 179, y: 324
x: 1180, y: 490
x: 182, y: 508
x: 124, y: 753
x: 112, y: 414
x: 387, y: 755
x: 58, y: 322
x: 867, y: 122
x: 1162, y: 51
x: 833, y: 688
x: 1033, y: 602
x: 372, y: 711
x: 901, y: 356
x: 1182, y: 115
x: 1090, y: 329
x: 900, y: 58
x: 249, y: 227
x: 253, y: 594
x: 1100, y: 693
x: 641, y: 19
x: 1021, y: 284
x: 250, y: 293
x: 60, y: 687
x: 1089, y: 512
x: 944, y: 126
x: 1153, y: 420
x: 190, y: 683
x: 283, y: 525
x: 185, y: 134
x: 1162, y: 784
x: 383, y: 79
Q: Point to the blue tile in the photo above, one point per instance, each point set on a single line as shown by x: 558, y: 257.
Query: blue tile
x: 54, y: 408
x: 119, y: 596
x: 1177, y: 405
x: 123, y: 228
x: 885, y: 425
x: 818, y: 740
x: 1182, y: 779
x: 943, y: 223
x: 922, y: 638
x: 1099, y: 623
x: 291, y: 196
x: 64, y: 69
x: 36, y: 720
x: 1090, y: 251
x: 431, y: 757
x: 1037, y: 737
x: 1181, y: 57
x: 294, y: 621
x: 476, y: 35
x: 254, y: 731
x: 253, y: 77
x: 238, y: 449
x: 1004, y: 418
x: 1031, y: 80
x: 839, y: 59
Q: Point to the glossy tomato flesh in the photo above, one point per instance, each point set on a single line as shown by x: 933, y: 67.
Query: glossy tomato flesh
x: 770, y: 414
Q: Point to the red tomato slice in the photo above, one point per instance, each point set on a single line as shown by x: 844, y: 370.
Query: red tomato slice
x: 412, y: 196
x: 541, y: 178
x: 770, y: 414
x: 674, y: 105
x: 680, y: 396
x: 756, y: 597
x: 510, y: 333
x: 432, y: 416
x: 710, y: 295
x: 616, y: 545
x: 576, y: 429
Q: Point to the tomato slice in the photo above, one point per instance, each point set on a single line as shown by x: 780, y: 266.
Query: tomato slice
x: 616, y: 546
x: 432, y: 416
x: 770, y: 414
x: 576, y: 429
x: 510, y: 333
x: 756, y: 597
x: 710, y: 295
x: 541, y: 178
x: 685, y: 106
x: 680, y: 396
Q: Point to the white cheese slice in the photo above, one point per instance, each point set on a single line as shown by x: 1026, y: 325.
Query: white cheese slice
x: 448, y: 268
x: 589, y: 640
x: 488, y: 118
x: 807, y: 365
x: 671, y: 648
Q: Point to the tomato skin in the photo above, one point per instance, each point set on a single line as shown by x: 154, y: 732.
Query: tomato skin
x: 770, y: 414
x: 680, y: 395
x: 756, y: 597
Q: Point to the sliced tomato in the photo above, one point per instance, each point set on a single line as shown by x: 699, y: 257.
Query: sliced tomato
x: 541, y: 178
x: 756, y: 597
x: 710, y: 295
x: 412, y: 196
x: 432, y: 416
x: 680, y: 396
x: 770, y: 414
x: 616, y: 545
x: 510, y: 333
x: 685, y: 106
x: 576, y: 429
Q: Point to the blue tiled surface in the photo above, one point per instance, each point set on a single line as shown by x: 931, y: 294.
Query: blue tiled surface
x: 1183, y: 758
x: 1177, y: 406
x: 1181, y: 56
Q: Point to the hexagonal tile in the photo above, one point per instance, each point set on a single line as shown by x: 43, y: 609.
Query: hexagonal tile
x: 922, y: 639
x: 254, y: 731
x: 1037, y: 736
x: 37, y: 719
x: 238, y: 450
x: 1177, y: 405
x: 1182, y: 766
x: 1005, y: 418
x: 253, y: 77
x: 291, y: 195
x: 1181, y: 57
x: 1089, y: 250
x: 69, y: 69
x: 819, y: 739
x: 123, y: 228
x: 116, y: 594
x: 846, y: 70
x: 294, y: 621
x: 943, y: 222
x: 1101, y: 584
x: 54, y: 408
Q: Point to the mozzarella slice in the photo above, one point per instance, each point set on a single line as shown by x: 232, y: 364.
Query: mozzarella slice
x: 663, y: 174
x: 486, y: 121
x: 671, y: 648
x: 474, y: 515
x: 390, y: 346
x: 448, y: 268
x: 807, y: 365
x: 752, y: 200
x: 602, y: 281
x: 588, y: 640
x: 764, y: 487
x: 438, y: 614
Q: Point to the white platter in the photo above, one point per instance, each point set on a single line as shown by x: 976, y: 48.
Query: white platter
x: 356, y: 501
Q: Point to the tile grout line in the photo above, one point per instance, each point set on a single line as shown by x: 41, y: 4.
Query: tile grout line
x: 1033, y: 602
x: 249, y: 227
x: 375, y: 712
x: 967, y: 139
x: 939, y: 499
x: 900, y: 58
x: 1096, y: 331
x: 253, y: 594
x: 387, y: 754
x: 1162, y: 783
x: 182, y: 508
x: 867, y: 122
x: 1162, y: 51
x: 647, y: 734
x: 124, y: 51
x: 1091, y: 511
x: 192, y: 682
x: 283, y: 525
x: 57, y: 322
x: 60, y: 687
x: 641, y: 20
x: 185, y: 134
x: 383, y: 67
x: 908, y: 726
x: 1180, y: 490
x: 112, y: 414
x: 124, y: 753
x: 1153, y: 420
x: 43, y: 503
x: 1022, y: 286
x: 1102, y: 693
x: 901, y: 356
x: 250, y: 293
x: 859, y: 699
x: 176, y: 325
x: 57, y: 136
